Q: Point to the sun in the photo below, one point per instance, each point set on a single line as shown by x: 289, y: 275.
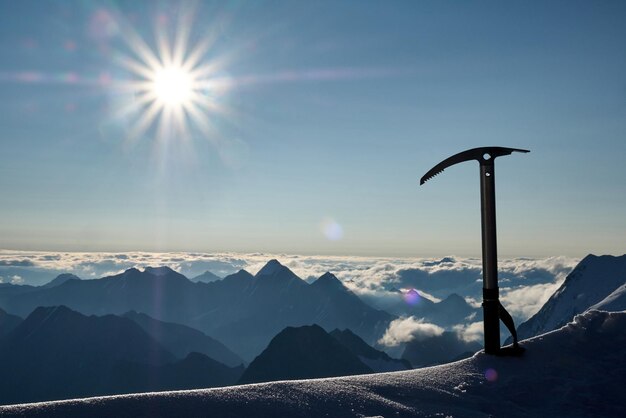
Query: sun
x: 173, y: 86
x: 175, y: 89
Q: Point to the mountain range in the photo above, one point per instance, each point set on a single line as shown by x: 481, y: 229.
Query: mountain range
x: 242, y: 311
x: 576, y: 371
x: 57, y: 353
x: 182, y: 340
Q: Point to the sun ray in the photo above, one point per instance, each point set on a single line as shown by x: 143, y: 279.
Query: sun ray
x: 144, y: 122
x: 137, y: 45
x: 163, y: 46
x: 182, y: 36
x: 135, y: 66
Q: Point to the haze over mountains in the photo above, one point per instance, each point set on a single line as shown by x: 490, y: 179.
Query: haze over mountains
x: 242, y: 311
x: 181, y: 340
x: 57, y: 353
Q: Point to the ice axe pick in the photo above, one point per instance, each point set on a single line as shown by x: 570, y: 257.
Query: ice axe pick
x: 493, y: 311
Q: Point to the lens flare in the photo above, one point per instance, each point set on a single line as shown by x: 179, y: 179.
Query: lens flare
x: 332, y: 230
x: 491, y: 375
x: 412, y: 297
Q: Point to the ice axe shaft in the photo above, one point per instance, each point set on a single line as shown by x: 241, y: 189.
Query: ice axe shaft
x: 492, y: 310
x: 491, y: 301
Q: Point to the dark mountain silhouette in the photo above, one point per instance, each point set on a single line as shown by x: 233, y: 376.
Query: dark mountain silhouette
x: 302, y: 353
x: 60, y: 279
x: 182, y: 340
x: 193, y: 372
x: 206, y: 277
x: 57, y: 353
x: 161, y: 293
x: 452, y: 310
x: 277, y: 298
x: 376, y: 360
x: 242, y: 311
x: 439, y: 349
x: 8, y: 322
x: 8, y: 290
x: 591, y: 281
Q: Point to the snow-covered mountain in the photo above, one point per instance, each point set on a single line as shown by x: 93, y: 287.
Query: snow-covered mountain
x: 614, y: 302
x: 593, y: 280
x: 576, y: 371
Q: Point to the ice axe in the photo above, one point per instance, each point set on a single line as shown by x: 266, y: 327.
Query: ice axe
x: 493, y: 311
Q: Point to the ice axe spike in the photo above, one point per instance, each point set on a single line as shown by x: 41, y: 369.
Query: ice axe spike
x: 493, y: 311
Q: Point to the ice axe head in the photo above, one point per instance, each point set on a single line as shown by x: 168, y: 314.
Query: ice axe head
x: 484, y: 155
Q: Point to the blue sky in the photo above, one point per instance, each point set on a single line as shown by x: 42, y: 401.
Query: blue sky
x: 333, y: 112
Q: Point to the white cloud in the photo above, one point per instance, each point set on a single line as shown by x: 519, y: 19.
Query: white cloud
x: 470, y: 332
x: 524, y: 301
x: 525, y: 283
x: 15, y: 279
x: 403, y: 330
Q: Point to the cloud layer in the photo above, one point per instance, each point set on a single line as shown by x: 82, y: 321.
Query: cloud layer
x: 403, y: 330
x: 525, y: 283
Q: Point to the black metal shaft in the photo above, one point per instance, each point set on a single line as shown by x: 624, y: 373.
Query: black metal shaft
x: 491, y: 303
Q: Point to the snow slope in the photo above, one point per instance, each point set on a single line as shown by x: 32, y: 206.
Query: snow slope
x: 576, y: 371
x: 593, y: 279
x: 616, y: 301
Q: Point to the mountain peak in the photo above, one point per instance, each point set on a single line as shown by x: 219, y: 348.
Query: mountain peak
x: 133, y: 271
x: 589, y: 283
x: 241, y: 276
x: 270, y: 268
x: 207, y: 277
x: 275, y: 274
x: 60, y: 279
x: 328, y: 280
x: 43, y: 314
x: 302, y: 353
x: 159, y: 271
x: 455, y: 299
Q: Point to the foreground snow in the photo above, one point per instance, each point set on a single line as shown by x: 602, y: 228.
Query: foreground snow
x: 575, y: 371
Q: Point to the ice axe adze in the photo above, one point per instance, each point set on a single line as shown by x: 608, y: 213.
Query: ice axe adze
x: 493, y: 311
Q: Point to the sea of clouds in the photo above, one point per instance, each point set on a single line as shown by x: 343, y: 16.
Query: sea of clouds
x: 525, y: 284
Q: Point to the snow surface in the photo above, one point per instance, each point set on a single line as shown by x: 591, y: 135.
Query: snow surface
x: 575, y: 371
x: 616, y: 301
x: 589, y: 283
